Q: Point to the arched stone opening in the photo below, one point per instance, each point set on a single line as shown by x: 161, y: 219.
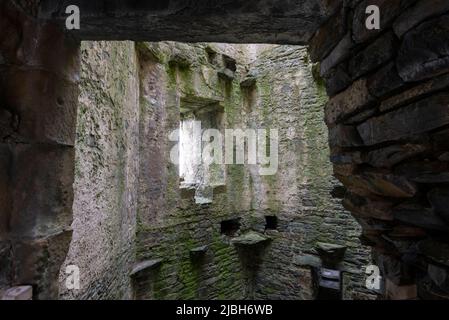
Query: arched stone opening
x: 387, y: 118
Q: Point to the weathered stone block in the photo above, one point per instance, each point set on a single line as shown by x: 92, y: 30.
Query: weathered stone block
x: 417, y: 13
x: 337, y: 80
x: 338, y: 54
x: 395, y: 270
x: 385, y: 81
x: 364, y: 207
x: 417, y: 215
x: 439, y: 275
x: 38, y: 263
x: 347, y: 102
x: 425, y: 171
x: 435, y: 250
x: 344, y: 136
x: 41, y: 186
x: 45, y: 105
x: 424, y: 52
x: 395, y: 292
x: 327, y: 36
x: 439, y: 199
x: 41, y: 46
x: 379, y: 183
x: 18, y: 293
x: 415, y: 92
x: 342, y: 157
x: 392, y: 155
x: 419, y: 117
x: 373, y: 56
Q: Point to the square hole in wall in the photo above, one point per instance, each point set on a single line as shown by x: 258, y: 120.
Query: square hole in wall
x: 271, y: 222
x: 230, y: 63
x: 230, y: 227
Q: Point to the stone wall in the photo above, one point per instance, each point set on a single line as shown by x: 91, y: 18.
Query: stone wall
x: 182, y: 241
x: 106, y: 172
x: 387, y: 118
x: 286, y: 96
x: 38, y: 101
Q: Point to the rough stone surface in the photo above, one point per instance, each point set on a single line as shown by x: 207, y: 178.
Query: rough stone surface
x: 424, y: 51
x: 106, y: 170
x: 168, y: 220
x: 250, y: 21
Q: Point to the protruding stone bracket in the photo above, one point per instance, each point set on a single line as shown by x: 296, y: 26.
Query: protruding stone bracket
x: 146, y: 265
x: 250, y: 239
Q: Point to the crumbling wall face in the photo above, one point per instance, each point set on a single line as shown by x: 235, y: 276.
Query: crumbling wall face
x: 106, y: 172
x: 286, y: 97
x: 195, y: 250
x: 179, y: 239
x: 388, y: 118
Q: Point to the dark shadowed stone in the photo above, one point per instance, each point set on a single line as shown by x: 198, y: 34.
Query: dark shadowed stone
x: 385, y: 81
x: 425, y: 171
x: 347, y: 102
x: 392, y: 155
x: 417, y: 13
x: 395, y: 270
x: 406, y: 231
x: 37, y: 45
x: 424, y: 52
x: 427, y: 290
x: 435, y: 250
x: 439, y: 199
x: 5, y: 198
x: 440, y: 140
x: 419, y: 117
x: 337, y: 80
x: 415, y: 92
x: 248, y: 82
x: 344, y: 169
x: 327, y: 37
x: 380, y: 245
x: 379, y: 183
x: 360, y: 116
x: 45, y: 104
x: 344, y: 136
x: 338, y: 54
x: 364, y: 207
x: 250, y: 21
x: 439, y: 275
x: 38, y: 263
x: 417, y: 215
x: 374, y: 225
x: 345, y: 157
x: 338, y: 192
x: 389, y: 9
x: 36, y: 168
x: 373, y: 56
x: 6, y: 264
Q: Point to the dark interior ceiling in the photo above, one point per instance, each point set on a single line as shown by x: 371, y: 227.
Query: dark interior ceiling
x: 232, y: 21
